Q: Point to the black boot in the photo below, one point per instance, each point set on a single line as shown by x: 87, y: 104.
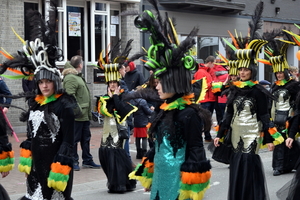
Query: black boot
x: 139, y: 153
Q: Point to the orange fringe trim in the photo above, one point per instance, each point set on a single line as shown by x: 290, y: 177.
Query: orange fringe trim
x: 273, y: 130
x: 195, y: 178
x: 6, y: 154
x: 25, y: 153
x: 59, y: 168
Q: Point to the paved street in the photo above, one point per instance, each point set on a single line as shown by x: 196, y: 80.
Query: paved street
x: 90, y: 184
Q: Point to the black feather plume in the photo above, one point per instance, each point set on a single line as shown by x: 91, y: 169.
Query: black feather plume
x: 124, y: 54
x: 115, y: 51
x: 136, y: 56
x: 36, y: 24
x: 155, y: 5
x: 184, y: 47
x: 256, y: 23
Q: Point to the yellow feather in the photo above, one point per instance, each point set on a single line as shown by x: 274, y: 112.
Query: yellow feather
x: 20, y: 38
x: 174, y: 32
x: 7, y: 52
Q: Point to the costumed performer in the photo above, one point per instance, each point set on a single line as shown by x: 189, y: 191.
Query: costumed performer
x: 291, y: 190
x: 246, y: 122
x: 46, y: 154
x: 177, y: 167
x: 114, y: 159
x: 285, y: 91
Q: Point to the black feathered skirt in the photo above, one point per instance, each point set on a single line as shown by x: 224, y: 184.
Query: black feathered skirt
x: 116, y: 165
x: 247, y: 179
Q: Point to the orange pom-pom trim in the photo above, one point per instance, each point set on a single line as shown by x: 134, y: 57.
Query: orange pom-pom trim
x: 6, y: 154
x: 272, y: 130
x: 59, y: 168
x: 195, y: 178
x: 25, y: 153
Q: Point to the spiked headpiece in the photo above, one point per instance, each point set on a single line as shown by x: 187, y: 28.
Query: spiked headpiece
x: 169, y: 59
x: 113, y: 60
x: 247, y: 49
x: 37, y: 57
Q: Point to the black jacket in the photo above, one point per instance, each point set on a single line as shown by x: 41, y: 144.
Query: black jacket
x: 141, y: 116
x: 133, y: 79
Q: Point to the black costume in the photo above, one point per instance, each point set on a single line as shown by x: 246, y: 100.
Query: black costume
x: 46, y: 155
x: 114, y: 160
x: 49, y: 146
x: 246, y: 117
x: 177, y: 167
x: 283, y: 108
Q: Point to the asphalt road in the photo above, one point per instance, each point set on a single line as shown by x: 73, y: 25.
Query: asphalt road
x: 96, y: 190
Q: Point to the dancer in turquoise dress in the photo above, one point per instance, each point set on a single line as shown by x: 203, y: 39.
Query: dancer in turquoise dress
x: 177, y: 167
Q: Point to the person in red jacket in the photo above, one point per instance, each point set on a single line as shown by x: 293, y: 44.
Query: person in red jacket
x: 221, y: 76
x: 206, y: 70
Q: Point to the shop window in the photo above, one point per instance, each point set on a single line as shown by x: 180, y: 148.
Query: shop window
x: 100, y: 6
x: 100, y: 34
x: 75, y: 31
x: 114, y: 26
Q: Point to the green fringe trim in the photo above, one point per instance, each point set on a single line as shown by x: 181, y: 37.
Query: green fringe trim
x: 7, y: 161
x: 145, y: 181
x: 58, y: 177
x: 25, y: 165
x: 145, y: 178
x: 194, y: 187
x: 216, y: 87
x: 278, y: 139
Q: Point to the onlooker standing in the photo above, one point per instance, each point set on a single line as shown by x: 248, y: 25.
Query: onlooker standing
x: 75, y: 85
x: 294, y: 72
x: 4, y: 90
x: 266, y: 84
x: 205, y: 70
x: 221, y: 76
x: 8, y: 159
x: 141, y: 119
x: 133, y: 77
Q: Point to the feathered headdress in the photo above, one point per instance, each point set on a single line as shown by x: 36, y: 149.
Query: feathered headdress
x: 39, y: 54
x: 170, y: 60
x: 247, y: 49
x: 294, y: 39
x: 276, y: 51
x: 113, y: 59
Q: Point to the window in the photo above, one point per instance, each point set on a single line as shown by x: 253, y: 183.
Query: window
x: 75, y: 31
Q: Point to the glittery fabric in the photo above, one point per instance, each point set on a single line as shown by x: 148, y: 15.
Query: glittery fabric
x: 110, y: 137
x: 166, y: 168
x: 245, y: 124
x: 282, y: 101
x: 37, y: 117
